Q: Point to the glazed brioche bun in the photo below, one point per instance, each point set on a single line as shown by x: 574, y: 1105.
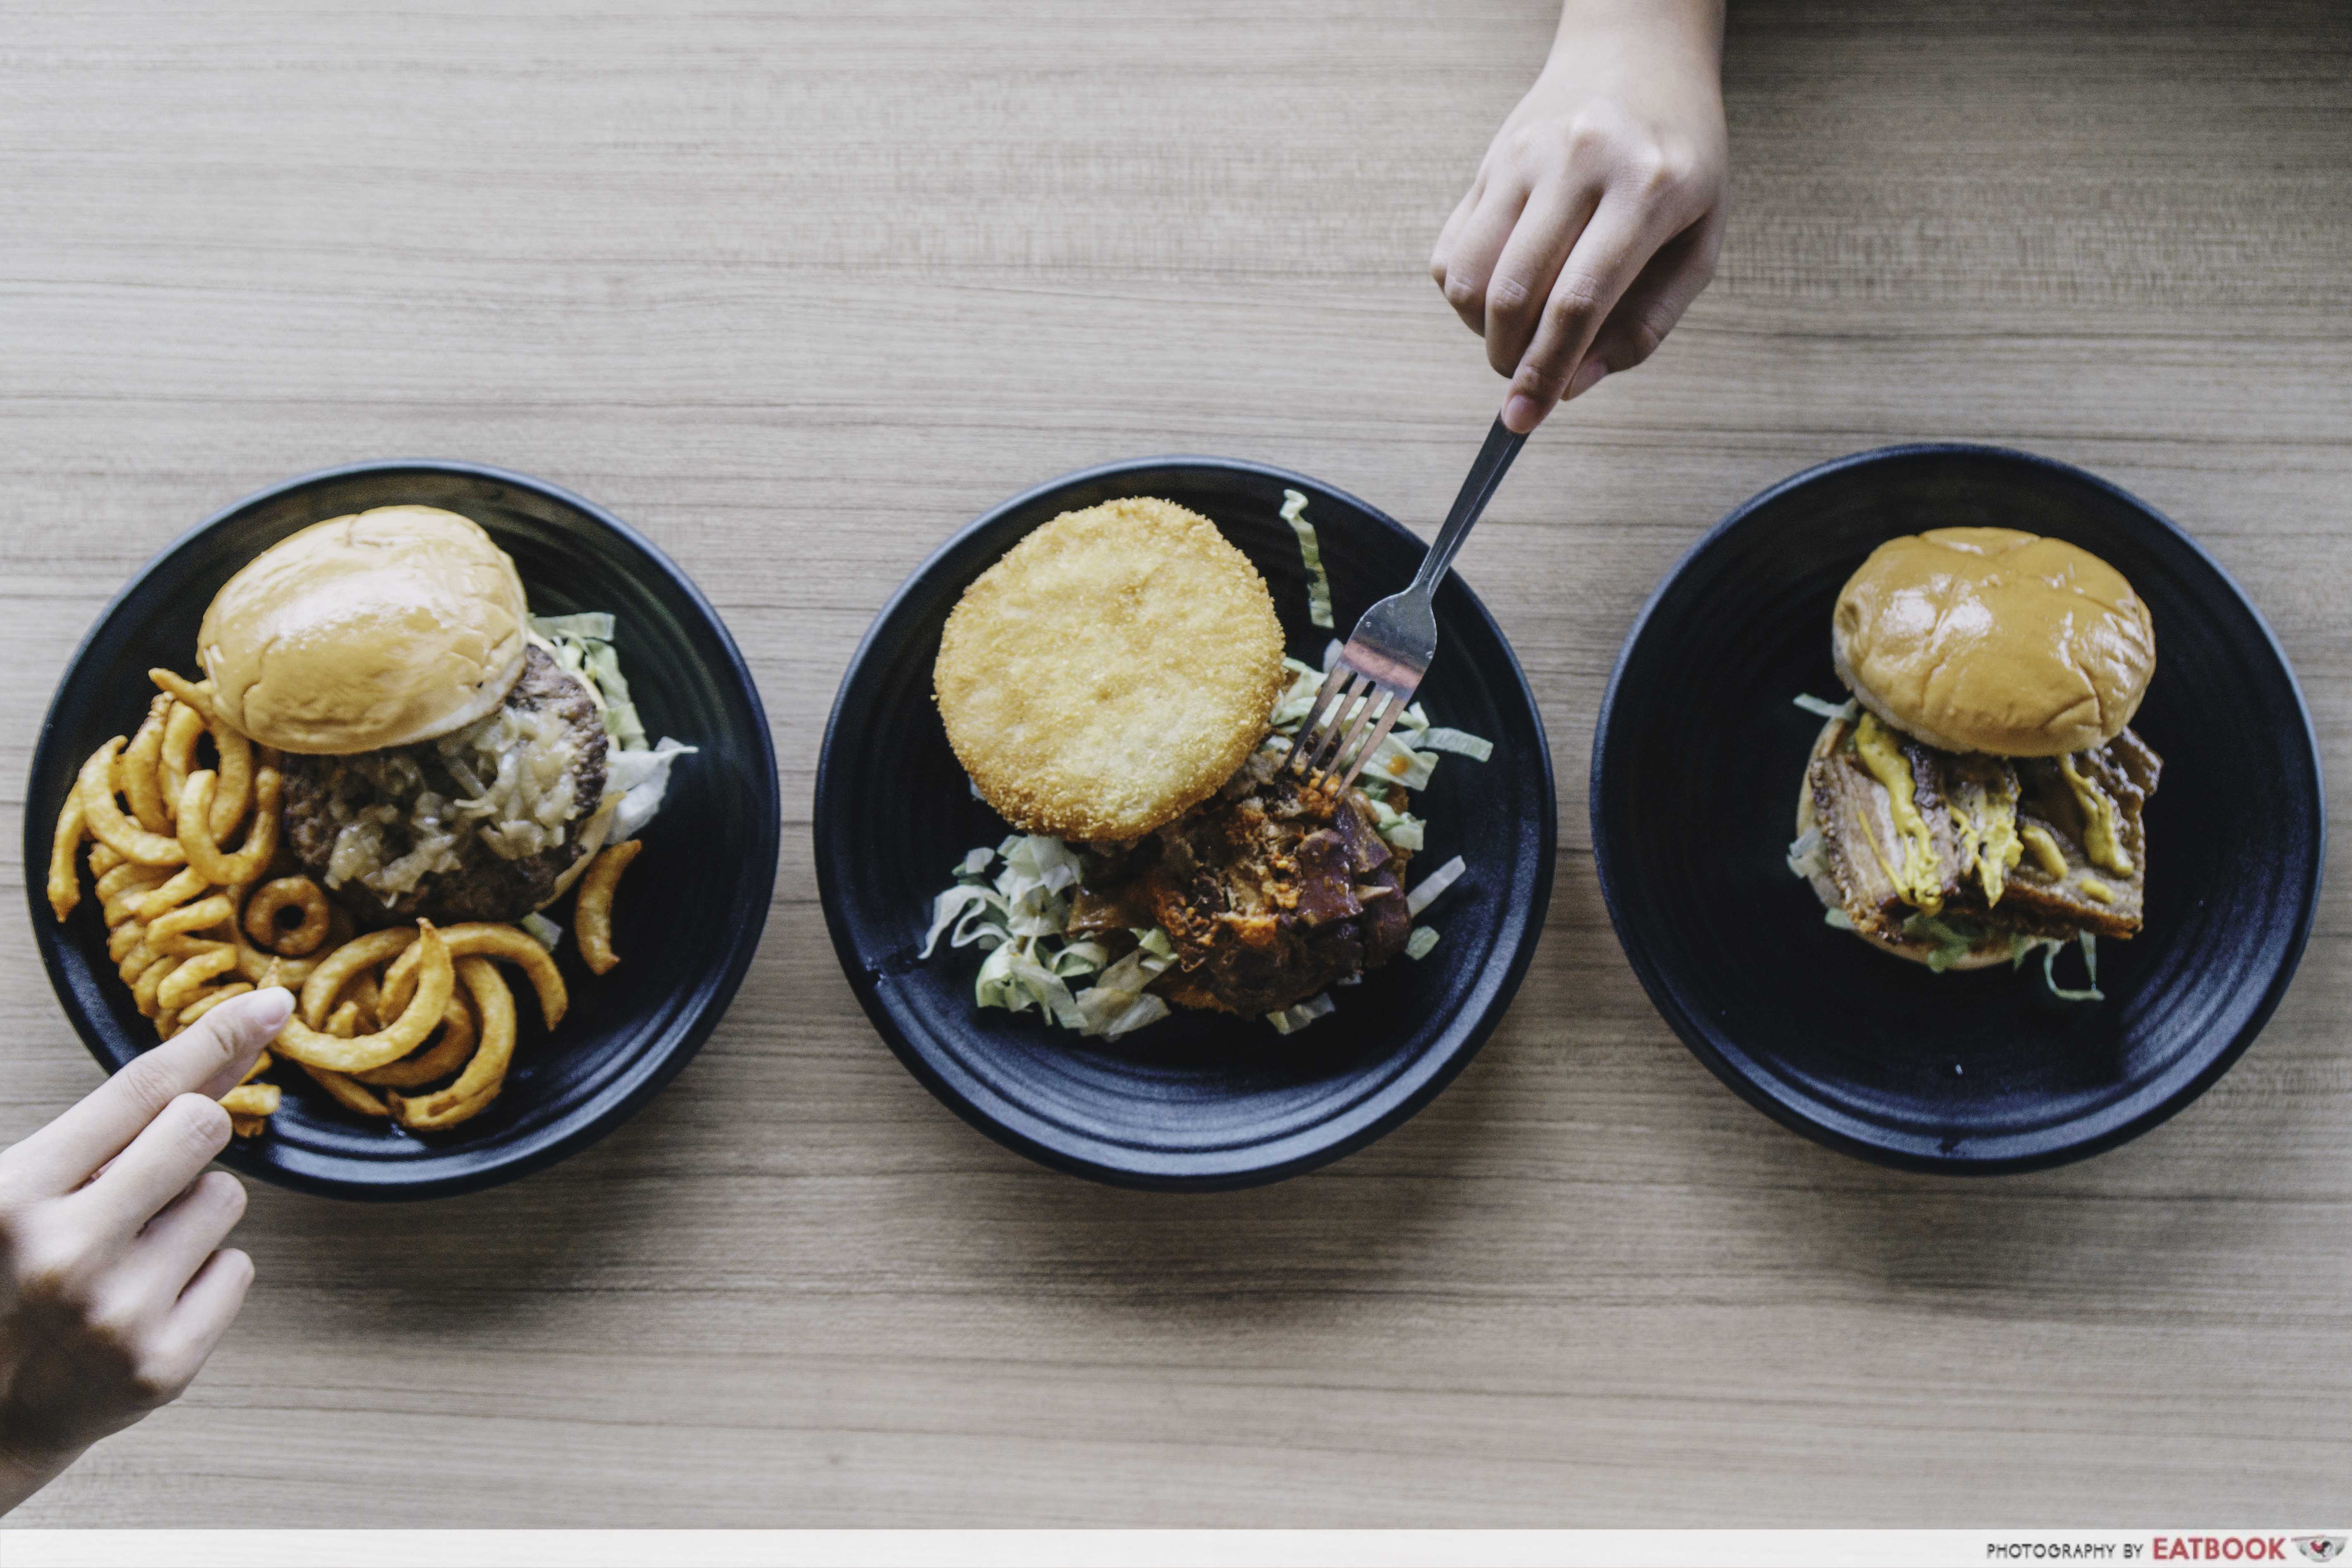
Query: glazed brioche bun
x: 1994, y: 950
x: 383, y: 628
x: 1987, y: 639
x: 1112, y: 670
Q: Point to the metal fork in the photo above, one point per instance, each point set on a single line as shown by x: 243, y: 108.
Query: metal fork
x: 1393, y: 644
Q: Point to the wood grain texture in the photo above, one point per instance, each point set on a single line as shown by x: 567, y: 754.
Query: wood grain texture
x: 797, y: 289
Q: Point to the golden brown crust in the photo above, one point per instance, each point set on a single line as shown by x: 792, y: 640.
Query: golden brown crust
x: 1987, y: 639
x: 1110, y: 671
x: 381, y: 628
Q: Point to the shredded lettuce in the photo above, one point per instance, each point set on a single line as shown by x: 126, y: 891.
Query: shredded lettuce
x: 1292, y: 1019
x: 544, y: 931
x: 1033, y: 861
x: 584, y: 645
x: 963, y: 914
x: 1837, y: 920
x: 1827, y: 709
x: 2051, y: 946
x: 636, y: 770
x: 592, y: 625
x: 1019, y: 915
x: 1292, y: 709
x: 643, y: 780
x: 1318, y: 582
x: 1808, y: 856
x: 1954, y: 939
x: 1426, y: 891
x: 1461, y: 742
x: 1395, y: 763
x: 1422, y: 939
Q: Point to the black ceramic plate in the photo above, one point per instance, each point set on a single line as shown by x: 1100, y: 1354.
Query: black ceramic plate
x: 690, y: 913
x: 1198, y: 1100
x: 1696, y: 765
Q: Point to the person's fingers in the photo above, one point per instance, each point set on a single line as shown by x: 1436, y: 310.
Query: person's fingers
x: 1674, y: 277
x: 207, y: 1060
x: 252, y: 1021
x: 158, y: 1167
x: 1608, y: 255
x: 177, y: 1242
x: 1444, y: 249
x: 205, y: 1310
x: 1531, y: 258
x: 1476, y: 244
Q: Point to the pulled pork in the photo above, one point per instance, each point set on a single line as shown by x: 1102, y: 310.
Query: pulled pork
x: 1272, y: 890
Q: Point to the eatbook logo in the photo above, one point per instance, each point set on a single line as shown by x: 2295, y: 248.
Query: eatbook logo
x: 2320, y: 1548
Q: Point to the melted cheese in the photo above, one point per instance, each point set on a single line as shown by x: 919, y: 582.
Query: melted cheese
x: 2047, y: 853
x: 2099, y: 839
x: 1921, y: 880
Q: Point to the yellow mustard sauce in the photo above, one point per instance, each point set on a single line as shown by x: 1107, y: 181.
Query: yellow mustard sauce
x: 2094, y: 889
x: 1994, y: 843
x: 1965, y: 836
x: 1921, y: 882
x: 2047, y: 853
x: 2099, y: 840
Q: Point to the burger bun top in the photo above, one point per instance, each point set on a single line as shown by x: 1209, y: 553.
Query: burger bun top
x: 1988, y: 639
x: 383, y: 628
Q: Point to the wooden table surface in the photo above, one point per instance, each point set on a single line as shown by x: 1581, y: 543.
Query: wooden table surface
x: 797, y: 292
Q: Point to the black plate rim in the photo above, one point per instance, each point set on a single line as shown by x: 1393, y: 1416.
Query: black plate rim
x: 1166, y: 1172
x: 689, y: 1035
x: 2062, y: 1150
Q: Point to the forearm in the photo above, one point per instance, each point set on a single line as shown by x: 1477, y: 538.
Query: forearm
x: 1693, y: 29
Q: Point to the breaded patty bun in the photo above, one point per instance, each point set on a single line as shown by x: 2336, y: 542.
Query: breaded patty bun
x: 1110, y: 671
x: 1987, y: 639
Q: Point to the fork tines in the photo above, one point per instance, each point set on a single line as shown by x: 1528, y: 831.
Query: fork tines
x: 1332, y: 744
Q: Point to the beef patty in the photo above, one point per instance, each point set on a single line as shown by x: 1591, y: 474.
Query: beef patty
x: 1271, y: 890
x: 477, y: 825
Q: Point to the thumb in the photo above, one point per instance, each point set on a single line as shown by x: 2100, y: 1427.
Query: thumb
x: 238, y: 1028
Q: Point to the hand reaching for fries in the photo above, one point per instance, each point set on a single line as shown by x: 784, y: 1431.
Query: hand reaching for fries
x: 114, y: 1287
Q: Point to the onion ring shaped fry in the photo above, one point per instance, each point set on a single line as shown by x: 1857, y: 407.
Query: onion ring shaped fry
x: 270, y: 898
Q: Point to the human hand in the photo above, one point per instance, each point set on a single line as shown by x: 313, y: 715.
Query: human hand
x: 1598, y: 210
x: 111, y: 1289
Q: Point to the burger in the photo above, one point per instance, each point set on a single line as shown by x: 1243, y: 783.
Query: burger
x: 1982, y: 792
x: 444, y: 756
x: 1116, y: 687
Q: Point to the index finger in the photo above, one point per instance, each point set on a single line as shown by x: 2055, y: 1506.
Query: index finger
x: 207, y: 1059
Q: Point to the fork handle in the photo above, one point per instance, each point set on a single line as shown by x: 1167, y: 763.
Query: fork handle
x: 1493, y: 462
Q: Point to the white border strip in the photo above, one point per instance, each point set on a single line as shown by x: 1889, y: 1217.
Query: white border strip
x: 1152, y: 1549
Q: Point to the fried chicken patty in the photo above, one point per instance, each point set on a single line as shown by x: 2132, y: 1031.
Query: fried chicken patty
x: 477, y: 825
x: 1112, y: 670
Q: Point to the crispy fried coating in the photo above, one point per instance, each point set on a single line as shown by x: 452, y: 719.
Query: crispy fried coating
x: 1110, y: 671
